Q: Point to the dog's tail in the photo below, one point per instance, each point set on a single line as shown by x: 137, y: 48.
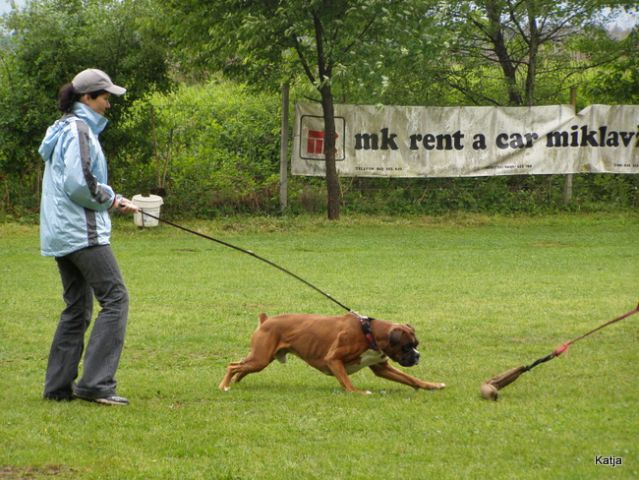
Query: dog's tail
x: 263, y: 318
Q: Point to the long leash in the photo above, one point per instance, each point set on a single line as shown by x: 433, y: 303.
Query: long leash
x: 252, y: 254
x: 564, y: 346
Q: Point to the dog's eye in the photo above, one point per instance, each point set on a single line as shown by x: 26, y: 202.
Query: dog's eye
x: 408, y: 348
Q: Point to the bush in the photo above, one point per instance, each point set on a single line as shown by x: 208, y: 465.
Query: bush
x: 504, y: 195
x: 212, y: 149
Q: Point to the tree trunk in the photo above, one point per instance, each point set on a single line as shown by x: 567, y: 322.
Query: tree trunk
x: 533, y: 49
x: 496, y: 36
x: 332, y: 181
x: 325, y: 70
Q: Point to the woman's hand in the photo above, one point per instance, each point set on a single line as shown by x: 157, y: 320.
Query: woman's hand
x: 125, y: 205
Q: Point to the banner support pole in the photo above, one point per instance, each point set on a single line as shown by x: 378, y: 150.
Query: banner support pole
x: 284, y: 150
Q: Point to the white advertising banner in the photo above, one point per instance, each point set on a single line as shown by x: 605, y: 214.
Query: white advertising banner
x: 395, y: 141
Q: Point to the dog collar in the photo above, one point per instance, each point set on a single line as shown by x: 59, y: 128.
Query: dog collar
x: 368, y: 331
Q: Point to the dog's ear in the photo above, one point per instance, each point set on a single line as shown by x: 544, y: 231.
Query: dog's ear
x: 395, y: 336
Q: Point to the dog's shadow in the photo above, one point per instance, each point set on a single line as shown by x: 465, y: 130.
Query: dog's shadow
x: 319, y: 388
x: 295, y: 377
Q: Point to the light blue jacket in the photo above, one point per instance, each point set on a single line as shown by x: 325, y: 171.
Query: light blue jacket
x: 75, y: 195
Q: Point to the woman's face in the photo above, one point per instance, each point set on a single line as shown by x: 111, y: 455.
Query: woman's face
x: 100, y: 104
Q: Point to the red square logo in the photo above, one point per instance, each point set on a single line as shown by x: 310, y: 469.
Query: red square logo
x: 315, y: 142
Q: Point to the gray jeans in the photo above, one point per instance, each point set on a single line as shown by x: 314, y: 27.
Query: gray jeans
x: 85, y: 273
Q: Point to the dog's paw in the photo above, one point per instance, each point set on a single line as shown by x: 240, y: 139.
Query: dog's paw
x: 357, y: 391
x: 436, y: 386
x: 363, y: 392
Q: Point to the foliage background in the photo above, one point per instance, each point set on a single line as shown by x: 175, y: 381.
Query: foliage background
x: 210, y: 147
x: 201, y: 118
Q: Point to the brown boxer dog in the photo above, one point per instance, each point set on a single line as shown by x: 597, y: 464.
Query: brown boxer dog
x: 338, y: 346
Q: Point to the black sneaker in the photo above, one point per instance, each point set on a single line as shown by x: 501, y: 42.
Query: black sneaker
x: 58, y: 397
x: 110, y: 400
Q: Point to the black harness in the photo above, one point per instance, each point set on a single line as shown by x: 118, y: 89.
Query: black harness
x: 368, y: 331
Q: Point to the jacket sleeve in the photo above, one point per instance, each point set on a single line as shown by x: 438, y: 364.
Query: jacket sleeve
x: 79, y: 182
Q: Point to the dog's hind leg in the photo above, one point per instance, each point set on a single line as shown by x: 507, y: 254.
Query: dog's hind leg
x: 228, y: 376
x: 238, y: 370
x: 264, y: 346
x: 250, y: 365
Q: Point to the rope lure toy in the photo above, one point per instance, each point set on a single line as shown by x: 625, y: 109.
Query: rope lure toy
x: 490, y: 388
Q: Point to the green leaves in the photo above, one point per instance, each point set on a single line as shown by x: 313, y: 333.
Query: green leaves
x: 211, y: 147
x: 51, y: 41
x: 531, y: 43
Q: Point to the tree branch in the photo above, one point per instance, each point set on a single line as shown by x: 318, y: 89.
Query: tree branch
x: 300, y: 54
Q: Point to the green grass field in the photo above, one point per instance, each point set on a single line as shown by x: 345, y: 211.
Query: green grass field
x: 484, y: 293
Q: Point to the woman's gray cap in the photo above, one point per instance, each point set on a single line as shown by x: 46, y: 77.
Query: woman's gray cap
x: 93, y: 80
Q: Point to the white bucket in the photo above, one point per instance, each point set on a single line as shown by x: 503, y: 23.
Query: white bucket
x: 150, y: 204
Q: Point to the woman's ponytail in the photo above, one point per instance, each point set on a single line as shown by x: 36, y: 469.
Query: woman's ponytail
x: 66, y: 98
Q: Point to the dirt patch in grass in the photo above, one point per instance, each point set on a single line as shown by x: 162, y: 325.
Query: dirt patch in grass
x: 9, y: 472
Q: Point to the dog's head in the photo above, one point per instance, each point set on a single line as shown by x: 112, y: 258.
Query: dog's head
x: 402, y: 345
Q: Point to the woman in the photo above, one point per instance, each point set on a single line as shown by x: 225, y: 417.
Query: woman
x: 75, y: 229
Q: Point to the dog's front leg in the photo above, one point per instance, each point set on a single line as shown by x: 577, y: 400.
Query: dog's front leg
x: 335, y: 363
x: 388, y: 372
x: 339, y: 371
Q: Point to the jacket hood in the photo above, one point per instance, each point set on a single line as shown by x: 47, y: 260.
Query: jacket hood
x: 94, y: 120
x: 51, y: 138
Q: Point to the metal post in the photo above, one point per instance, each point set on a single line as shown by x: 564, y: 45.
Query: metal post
x: 284, y: 150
